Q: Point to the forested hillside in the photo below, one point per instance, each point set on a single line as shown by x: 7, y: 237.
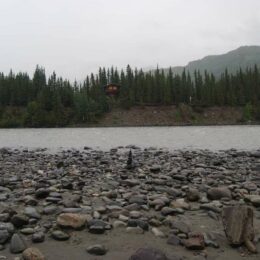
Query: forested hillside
x: 242, y: 58
x: 53, y: 101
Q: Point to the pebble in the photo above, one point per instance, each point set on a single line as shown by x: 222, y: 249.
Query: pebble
x: 158, y: 233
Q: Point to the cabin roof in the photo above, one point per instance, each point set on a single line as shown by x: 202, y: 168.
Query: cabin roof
x: 112, y: 84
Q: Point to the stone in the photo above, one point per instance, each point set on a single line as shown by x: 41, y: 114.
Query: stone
x: 71, y: 220
x: 173, y: 240
x: 66, y: 184
x: 181, y: 226
x: 19, y: 220
x: 180, y: 203
x: 17, y: 244
x: 97, y: 250
x: 119, y: 224
x: 210, y: 207
x: 30, y: 201
x: 42, y: 193
x: 255, y: 200
x: 193, y: 195
x: 7, y: 226
x: 27, y: 231
x: 49, y: 210
x: 32, y: 212
x: 250, y: 186
x: 131, y: 182
x: 72, y: 210
x: 219, y: 193
x: 135, y: 214
x: 138, y: 199
x: 155, y: 168
x: 138, y: 223
x: 195, y: 242
x: 134, y: 230
x: 38, y: 237
x: 71, y: 201
x: 165, y: 211
x: 60, y: 235
x: 97, y: 226
x: 157, y: 232
x: 4, y: 217
x: 4, y: 236
x: 148, y: 254
x: 33, y: 253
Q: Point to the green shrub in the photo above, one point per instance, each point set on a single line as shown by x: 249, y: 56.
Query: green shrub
x: 248, y: 112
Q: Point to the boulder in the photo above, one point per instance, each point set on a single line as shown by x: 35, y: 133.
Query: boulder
x: 219, y: 193
x: 19, y: 220
x: 17, y: 244
x: 71, y: 220
x: 33, y: 253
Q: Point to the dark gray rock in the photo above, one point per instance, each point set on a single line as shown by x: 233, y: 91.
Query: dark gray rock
x: 42, y: 193
x: 181, y: 226
x: 97, y: 226
x: 173, y: 240
x: 19, y: 220
x: 193, y: 195
x: 60, y: 235
x: 138, y: 223
x: 4, y: 236
x: 32, y: 212
x: 38, y: 237
x: 219, y: 193
x: 17, y: 244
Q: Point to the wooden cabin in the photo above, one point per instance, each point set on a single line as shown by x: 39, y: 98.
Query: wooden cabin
x: 112, y: 90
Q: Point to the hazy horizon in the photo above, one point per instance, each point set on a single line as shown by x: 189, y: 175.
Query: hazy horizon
x: 75, y: 38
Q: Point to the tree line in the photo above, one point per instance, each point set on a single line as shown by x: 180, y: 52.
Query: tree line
x: 48, y: 102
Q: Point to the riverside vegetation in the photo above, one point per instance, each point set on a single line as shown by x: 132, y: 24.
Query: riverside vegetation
x: 76, y: 204
x: 42, y: 102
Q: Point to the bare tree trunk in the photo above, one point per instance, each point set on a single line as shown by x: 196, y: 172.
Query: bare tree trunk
x: 238, y: 226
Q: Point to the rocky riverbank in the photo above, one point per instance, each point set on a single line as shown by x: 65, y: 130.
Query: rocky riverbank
x: 107, y: 205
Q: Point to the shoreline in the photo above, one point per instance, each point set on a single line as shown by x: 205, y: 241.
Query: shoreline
x: 158, y: 200
x: 139, y: 126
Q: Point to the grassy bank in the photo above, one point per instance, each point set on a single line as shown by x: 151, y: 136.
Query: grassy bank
x: 144, y: 116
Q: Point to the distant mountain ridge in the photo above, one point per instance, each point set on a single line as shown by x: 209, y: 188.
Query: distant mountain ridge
x: 243, y: 57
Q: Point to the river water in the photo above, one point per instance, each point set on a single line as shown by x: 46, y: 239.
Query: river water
x: 185, y: 137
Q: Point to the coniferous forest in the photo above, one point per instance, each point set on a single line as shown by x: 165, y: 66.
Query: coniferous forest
x: 50, y: 102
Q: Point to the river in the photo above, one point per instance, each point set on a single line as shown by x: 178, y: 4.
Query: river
x: 185, y: 137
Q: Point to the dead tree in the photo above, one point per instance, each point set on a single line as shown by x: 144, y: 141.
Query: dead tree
x: 238, y: 226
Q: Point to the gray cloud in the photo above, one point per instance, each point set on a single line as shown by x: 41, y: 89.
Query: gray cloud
x: 75, y: 37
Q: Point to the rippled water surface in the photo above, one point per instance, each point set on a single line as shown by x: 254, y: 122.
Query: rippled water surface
x: 190, y: 137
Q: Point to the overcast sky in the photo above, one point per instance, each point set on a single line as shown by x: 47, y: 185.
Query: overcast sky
x: 75, y: 37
